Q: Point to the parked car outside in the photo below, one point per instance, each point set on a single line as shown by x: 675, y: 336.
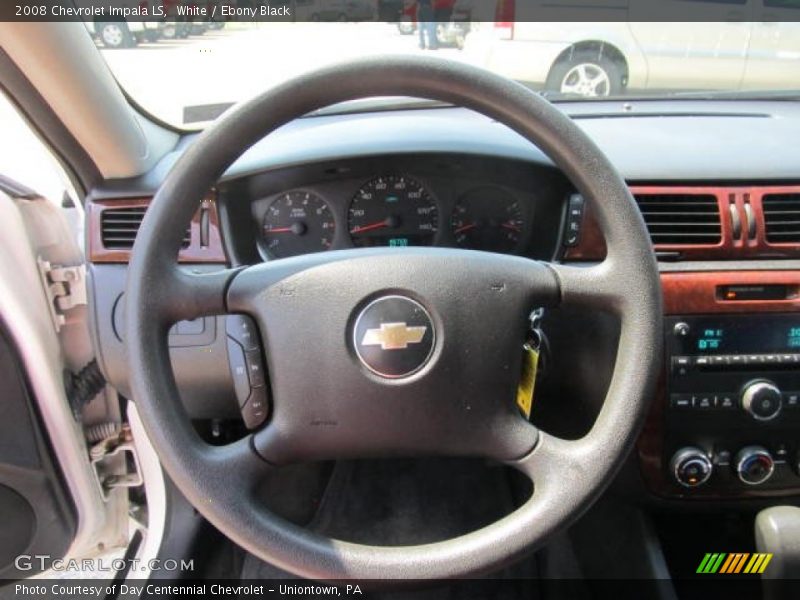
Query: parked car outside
x: 123, y: 34
x: 335, y: 10
x: 606, y: 59
x: 451, y: 26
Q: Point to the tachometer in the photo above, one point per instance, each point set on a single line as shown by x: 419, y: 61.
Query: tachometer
x: 393, y: 211
x: 488, y: 218
x: 297, y: 222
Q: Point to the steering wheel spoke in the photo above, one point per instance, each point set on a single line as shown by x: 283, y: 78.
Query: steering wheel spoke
x: 590, y: 286
x: 186, y: 294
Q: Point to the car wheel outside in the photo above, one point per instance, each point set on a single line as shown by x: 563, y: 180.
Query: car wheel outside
x: 116, y: 35
x: 169, y: 31
x: 441, y: 34
x: 405, y: 26
x: 586, y: 74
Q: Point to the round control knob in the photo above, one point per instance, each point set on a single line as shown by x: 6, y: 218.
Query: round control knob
x: 691, y: 467
x: 681, y: 329
x: 762, y: 399
x: 754, y: 465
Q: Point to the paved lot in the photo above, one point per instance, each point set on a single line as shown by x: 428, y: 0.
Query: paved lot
x: 244, y: 59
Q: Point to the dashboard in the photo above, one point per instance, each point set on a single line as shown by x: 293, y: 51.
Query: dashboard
x: 494, y: 205
x: 718, y: 190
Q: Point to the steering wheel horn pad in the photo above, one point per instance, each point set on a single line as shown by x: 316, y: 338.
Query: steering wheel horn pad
x: 458, y: 401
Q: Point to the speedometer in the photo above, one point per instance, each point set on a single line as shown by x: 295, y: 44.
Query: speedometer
x: 393, y: 211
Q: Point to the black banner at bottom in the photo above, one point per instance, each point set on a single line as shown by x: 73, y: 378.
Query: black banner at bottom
x: 705, y: 588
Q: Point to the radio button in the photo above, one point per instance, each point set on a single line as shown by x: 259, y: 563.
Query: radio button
x: 726, y: 401
x: 791, y: 399
x: 680, y: 401
x: 681, y: 364
x: 702, y: 361
x: 762, y: 400
x: 703, y: 401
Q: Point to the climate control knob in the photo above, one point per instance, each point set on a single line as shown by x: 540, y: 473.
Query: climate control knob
x: 762, y: 399
x: 691, y: 467
x: 754, y: 465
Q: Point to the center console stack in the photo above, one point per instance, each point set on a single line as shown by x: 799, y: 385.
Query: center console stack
x: 732, y: 411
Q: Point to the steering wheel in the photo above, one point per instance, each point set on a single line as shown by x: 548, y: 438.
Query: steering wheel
x: 334, y: 325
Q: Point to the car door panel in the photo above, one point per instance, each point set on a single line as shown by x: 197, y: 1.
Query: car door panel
x: 44, y: 459
x: 695, y: 55
x: 774, y: 54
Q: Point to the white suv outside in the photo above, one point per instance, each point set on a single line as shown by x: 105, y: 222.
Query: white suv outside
x: 742, y: 45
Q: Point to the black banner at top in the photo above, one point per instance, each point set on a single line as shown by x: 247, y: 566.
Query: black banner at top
x: 505, y: 11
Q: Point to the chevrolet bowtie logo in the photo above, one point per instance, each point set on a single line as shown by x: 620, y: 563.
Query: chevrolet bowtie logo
x: 393, y: 336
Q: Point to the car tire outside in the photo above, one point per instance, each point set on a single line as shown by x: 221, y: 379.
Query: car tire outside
x: 406, y: 26
x: 587, y: 74
x: 441, y: 34
x: 115, y: 35
x: 169, y: 31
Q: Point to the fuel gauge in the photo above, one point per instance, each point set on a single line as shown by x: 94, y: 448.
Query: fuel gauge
x: 490, y: 219
x: 297, y: 222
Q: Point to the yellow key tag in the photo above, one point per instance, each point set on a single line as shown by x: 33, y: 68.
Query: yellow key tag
x: 530, y: 364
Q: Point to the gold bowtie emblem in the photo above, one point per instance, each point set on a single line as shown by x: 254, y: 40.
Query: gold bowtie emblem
x: 393, y: 336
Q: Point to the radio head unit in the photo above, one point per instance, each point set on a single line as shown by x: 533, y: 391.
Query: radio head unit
x: 733, y: 405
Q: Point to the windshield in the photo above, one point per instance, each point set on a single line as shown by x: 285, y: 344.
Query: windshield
x: 187, y: 70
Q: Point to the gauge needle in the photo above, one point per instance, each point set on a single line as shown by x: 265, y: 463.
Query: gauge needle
x: 510, y: 226
x: 464, y: 228
x: 297, y: 228
x: 370, y: 227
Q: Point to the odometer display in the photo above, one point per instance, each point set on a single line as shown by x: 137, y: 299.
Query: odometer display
x: 392, y: 211
x: 297, y: 222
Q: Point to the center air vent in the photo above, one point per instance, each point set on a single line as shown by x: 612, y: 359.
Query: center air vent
x: 681, y: 219
x: 120, y: 225
x: 782, y: 218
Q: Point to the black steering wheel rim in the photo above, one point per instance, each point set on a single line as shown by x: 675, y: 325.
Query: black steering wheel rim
x: 567, y: 476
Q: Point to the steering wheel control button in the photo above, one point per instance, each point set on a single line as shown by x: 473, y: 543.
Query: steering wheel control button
x: 247, y: 369
x: 238, y: 368
x: 691, y: 467
x: 754, y: 465
x: 255, y: 368
x: 394, y: 336
x: 243, y: 330
x: 762, y: 399
x: 254, y: 412
x: 572, y: 224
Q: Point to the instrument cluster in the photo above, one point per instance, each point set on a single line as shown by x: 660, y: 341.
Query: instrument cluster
x: 395, y: 210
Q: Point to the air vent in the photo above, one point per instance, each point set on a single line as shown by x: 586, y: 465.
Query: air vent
x: 120, y: 225
x: 681, y: 219
x: 782, y: 218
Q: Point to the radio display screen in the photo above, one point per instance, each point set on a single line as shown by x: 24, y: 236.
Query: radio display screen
x: 744, y: 335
